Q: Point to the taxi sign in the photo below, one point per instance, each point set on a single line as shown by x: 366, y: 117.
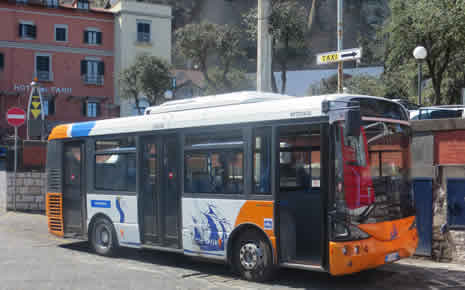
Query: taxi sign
x: 339, y: 56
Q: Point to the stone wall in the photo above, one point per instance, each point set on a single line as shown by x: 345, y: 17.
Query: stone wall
x: 3, y: 187
x: 30, y: 191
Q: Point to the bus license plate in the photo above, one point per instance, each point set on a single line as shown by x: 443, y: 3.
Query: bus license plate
x: 392, y: 257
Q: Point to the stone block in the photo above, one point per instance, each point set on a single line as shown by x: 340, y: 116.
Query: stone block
x: 25, y: 198
x: 36, y: 175
x: 28, y: 181
x: 39, y: 199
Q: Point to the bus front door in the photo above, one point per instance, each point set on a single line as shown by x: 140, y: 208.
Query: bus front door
x: 73, y: 201
x: 159, y: 187
x: 299, y: 198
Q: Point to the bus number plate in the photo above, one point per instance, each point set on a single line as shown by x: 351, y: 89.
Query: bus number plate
x: 392, y: 257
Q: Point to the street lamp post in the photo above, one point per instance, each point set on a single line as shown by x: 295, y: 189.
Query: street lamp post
x: 420, y: 54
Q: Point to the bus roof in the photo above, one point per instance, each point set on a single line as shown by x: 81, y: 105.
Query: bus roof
x: 251, y: 107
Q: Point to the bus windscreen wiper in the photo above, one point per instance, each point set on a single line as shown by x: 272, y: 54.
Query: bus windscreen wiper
x: 366, y: 213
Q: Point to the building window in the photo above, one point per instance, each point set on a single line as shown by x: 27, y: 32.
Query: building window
x: 51, y: 3
x: 92, y: 36
x: 83, y: 4
x: 143, y: 31
x: 91, y: 109
x: 61, y: 32
x: 21, y: 1
x: 43, y: 69
x: 92, y: 72
x: 2, y: 61
x: 27, y: 30
x: 48, y: 107
x: 115, y: 165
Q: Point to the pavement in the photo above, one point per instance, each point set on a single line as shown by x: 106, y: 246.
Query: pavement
x: 30, y: 258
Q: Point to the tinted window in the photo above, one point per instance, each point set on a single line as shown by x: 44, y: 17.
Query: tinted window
x: 219, y: 172
x: 233, y: 137
x: 262, y: 161
x: 381, y: 109
x: 115, y: 164
x: 299, y: 159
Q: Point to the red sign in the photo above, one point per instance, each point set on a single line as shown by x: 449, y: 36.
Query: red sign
x: 15, y: 117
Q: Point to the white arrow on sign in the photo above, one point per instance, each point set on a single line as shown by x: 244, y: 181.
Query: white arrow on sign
x: 339, y: 56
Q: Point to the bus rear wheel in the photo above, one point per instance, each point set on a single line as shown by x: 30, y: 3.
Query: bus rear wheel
x: 103, y: 237
x: 252, y: 257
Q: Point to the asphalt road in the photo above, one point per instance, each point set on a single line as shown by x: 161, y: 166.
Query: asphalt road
x: 30, y: 258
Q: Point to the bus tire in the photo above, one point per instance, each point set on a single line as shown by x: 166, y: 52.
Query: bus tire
x: 252, y: 257
x: 103, y: 237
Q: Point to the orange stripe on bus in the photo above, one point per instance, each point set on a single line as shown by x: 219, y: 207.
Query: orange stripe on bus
x: 59, y: 132
x: 256, y: 212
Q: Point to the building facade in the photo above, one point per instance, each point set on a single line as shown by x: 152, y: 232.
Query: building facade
x: 69, y: 49
x: 140, y: 28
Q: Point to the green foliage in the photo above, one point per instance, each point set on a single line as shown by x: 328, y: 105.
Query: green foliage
x: 206, y: 43
x: 439, y: 26
x: 148, y: 78
x: 359, y: 84
x: 288, y: 24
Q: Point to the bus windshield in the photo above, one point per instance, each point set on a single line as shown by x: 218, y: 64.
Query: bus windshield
x: 373, y: 172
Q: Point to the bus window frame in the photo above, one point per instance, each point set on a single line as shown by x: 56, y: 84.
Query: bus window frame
x: 91, y: 164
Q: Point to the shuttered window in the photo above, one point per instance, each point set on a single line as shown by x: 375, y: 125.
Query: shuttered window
x: 27, y: 30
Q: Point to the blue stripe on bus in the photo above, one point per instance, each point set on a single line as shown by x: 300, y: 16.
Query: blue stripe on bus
x: 121, y: 213
x: 100, y: 203
x: 82, y: 129
x: 203, y: 253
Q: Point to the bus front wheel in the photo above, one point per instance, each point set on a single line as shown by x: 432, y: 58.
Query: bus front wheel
x: 103, y: 237
x: 252, y: 257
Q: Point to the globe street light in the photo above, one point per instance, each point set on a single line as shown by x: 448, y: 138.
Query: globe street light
x: 420, y: 54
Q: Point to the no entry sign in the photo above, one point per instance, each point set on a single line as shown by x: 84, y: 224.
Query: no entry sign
x: 15, y: 117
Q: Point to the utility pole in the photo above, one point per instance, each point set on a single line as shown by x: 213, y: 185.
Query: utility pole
x: 340, y: 23
x: 264, y: 54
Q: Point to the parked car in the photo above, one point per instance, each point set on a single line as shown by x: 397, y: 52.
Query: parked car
x: 438, y: 112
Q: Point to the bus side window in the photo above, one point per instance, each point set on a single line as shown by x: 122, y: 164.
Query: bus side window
x: 262, y: 160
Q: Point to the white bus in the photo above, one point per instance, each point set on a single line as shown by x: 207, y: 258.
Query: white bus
x: 256, y: 180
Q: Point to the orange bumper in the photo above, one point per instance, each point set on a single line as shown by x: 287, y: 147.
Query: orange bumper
x: 355, y: 256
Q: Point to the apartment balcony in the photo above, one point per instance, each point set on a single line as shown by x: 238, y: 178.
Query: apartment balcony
x: 93, y: 79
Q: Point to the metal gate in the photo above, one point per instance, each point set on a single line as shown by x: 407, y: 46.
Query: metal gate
x: 423, y: 195
x: 456, y: 203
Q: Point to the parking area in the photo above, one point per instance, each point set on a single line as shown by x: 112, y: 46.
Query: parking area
x: 30, y: 258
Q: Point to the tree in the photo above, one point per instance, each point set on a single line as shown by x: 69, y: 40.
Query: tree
x: 213, y: 48
x: 147, y: 79
x: 439, y: 26
x: 358, y: 84
x: 288, y: 24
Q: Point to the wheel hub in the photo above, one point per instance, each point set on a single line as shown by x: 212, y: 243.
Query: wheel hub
x: 103, y: 236
x: 250, y: 255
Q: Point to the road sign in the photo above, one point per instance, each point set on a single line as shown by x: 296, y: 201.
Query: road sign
x: 339, y: 56
x: 15, y: 117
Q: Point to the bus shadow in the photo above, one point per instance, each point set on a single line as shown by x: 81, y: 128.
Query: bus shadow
x: 387, y: 277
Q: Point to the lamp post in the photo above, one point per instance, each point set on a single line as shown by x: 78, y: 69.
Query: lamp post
x: 420, y: 54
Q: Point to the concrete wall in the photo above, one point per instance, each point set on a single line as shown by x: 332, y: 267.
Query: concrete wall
x: 128, y: 13
x: 30, y: 191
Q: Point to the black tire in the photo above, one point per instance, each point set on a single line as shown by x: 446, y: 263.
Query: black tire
x: 252, y: 257
x: 103, y: 237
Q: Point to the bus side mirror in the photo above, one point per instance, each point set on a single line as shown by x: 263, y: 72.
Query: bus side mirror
x: 353, y: 123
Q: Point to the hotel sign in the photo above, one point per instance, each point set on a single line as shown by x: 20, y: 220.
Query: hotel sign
x: 44, y: 91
